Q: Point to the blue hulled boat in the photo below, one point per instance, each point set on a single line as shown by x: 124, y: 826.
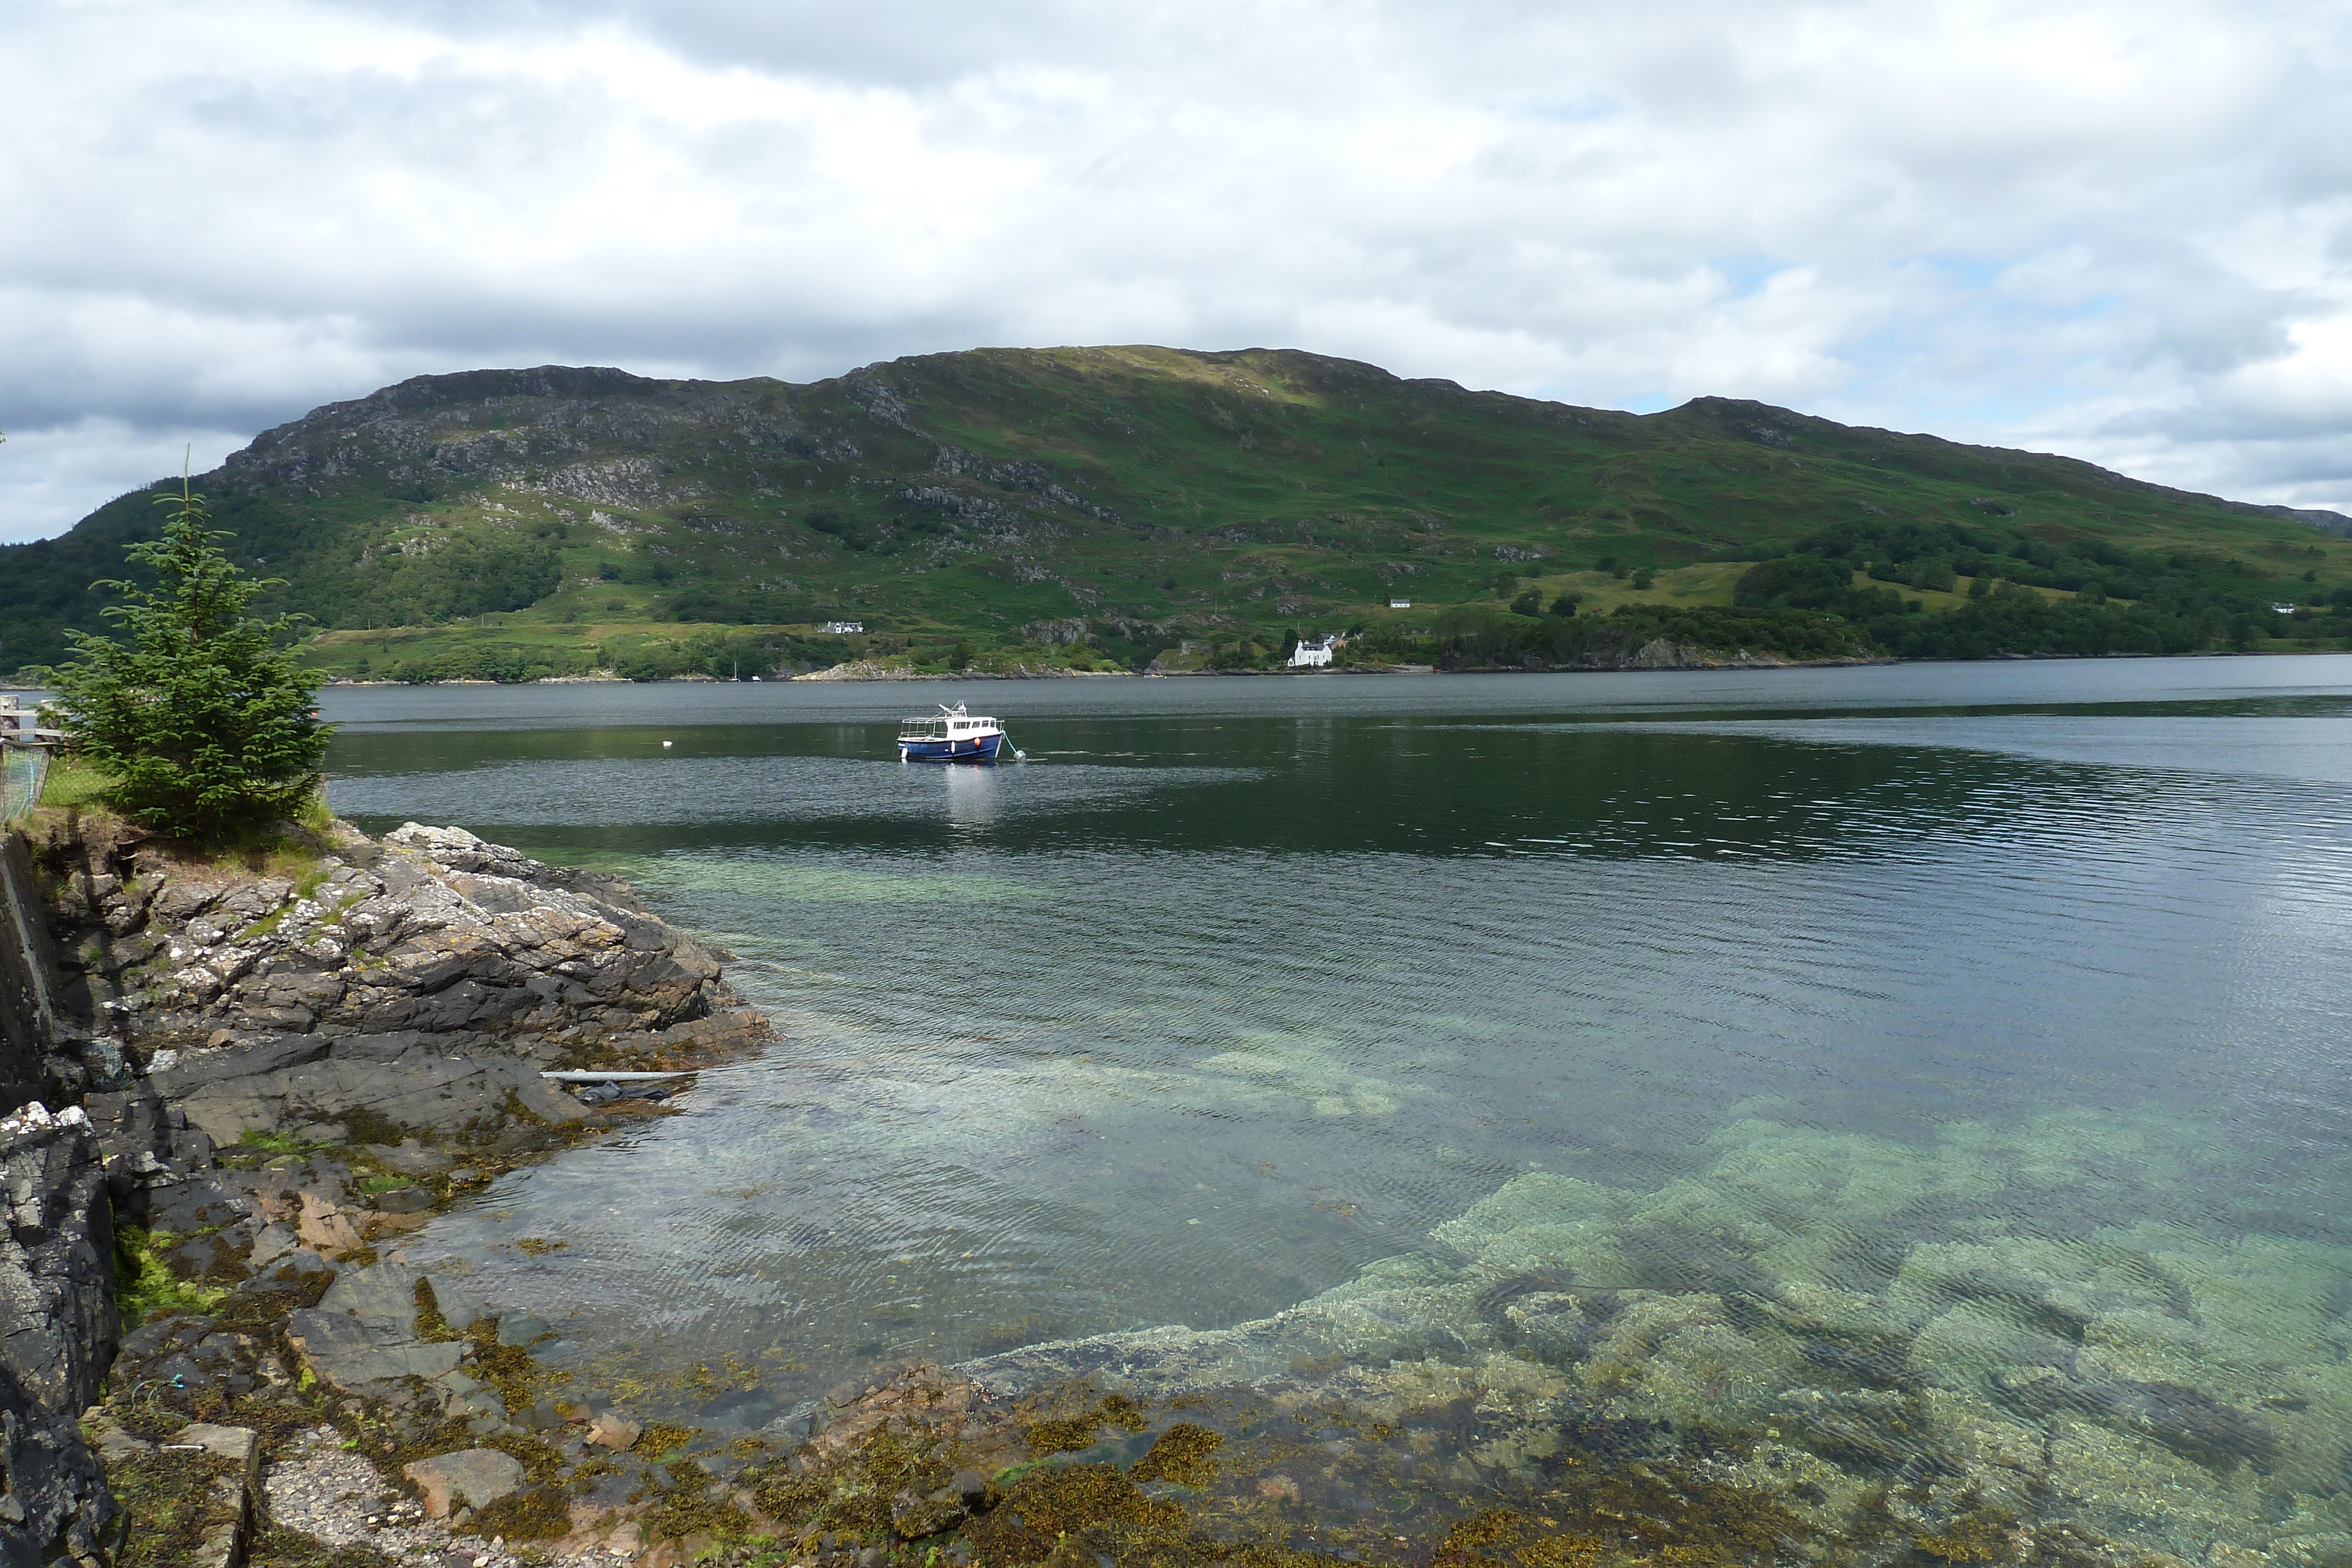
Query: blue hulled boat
x: 951, y: 735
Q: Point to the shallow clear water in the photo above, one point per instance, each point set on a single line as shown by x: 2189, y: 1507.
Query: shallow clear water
x: 1239, y: 986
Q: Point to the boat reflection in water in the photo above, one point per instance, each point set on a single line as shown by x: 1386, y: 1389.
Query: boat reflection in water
x: 972, y: 796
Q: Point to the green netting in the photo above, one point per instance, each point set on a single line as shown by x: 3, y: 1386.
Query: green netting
x: 23, y: 769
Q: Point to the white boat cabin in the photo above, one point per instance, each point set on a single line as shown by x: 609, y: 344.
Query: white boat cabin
x: 948, y: 724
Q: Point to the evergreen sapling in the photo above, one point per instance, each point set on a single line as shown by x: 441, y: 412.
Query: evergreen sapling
x: 197, y: 710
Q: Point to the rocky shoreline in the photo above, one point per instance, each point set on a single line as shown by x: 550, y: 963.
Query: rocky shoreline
x: 269, y: 1070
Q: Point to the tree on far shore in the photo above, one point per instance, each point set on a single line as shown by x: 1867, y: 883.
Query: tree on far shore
x: 199, y: 712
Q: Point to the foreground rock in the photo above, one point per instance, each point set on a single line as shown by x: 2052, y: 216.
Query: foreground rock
x: 406, y: 1081
x: 285, y: 1144
x: 282, y: 1070
x: 56, y: 1263
x: 471, y: 1477
x: 388, y: 1007
x: 339, y: 1499
x: 57, y: 1307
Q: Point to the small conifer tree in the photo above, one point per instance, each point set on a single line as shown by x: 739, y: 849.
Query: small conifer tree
x: 199, y: 711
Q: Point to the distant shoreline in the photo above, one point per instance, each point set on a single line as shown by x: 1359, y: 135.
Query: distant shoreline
x: 1717, y: 667
x: 1357, y: 670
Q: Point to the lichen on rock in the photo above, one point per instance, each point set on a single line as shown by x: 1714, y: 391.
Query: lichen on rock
x: 427, y: 931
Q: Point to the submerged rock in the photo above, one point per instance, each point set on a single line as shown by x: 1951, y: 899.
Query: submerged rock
x: 409, y: 1079
x: 2106, y: 1393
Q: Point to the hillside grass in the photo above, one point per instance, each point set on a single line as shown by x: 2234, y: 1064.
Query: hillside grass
x: 988, y: 500
x: 73, y: 782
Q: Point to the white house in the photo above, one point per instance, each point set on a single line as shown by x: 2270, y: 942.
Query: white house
x: 1400, y: 603
x: 845, y: 628
x: 2282, y: 609
x: 1313, y: 653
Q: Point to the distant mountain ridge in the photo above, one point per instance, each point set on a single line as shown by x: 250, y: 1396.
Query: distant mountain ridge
x: 1138, y: 493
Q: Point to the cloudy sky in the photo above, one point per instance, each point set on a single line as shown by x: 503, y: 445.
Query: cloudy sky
x: 2116, y: 228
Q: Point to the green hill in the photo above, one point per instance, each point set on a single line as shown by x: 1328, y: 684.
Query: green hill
x: 1105, y: 506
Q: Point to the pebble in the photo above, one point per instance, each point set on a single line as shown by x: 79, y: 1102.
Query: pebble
x: 341, y: 1499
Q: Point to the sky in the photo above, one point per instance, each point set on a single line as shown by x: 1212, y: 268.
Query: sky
x: 2117, y: 230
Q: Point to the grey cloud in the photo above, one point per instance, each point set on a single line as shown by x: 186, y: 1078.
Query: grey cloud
x: 912, y: 45
x: 2094, y: 226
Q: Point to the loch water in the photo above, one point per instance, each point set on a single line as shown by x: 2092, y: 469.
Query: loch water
x: 1983, y: 1027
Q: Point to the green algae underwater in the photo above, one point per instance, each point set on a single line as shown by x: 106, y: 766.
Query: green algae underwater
x: 1824, y: 1348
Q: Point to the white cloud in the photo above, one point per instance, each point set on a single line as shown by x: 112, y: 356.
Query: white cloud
x: 2118, y: 229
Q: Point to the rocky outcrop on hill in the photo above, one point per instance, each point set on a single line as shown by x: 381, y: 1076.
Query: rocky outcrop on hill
x: 428, y: 932
x: 1658, y: 653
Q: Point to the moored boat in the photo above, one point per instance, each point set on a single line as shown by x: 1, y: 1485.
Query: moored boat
x: 951, y: 735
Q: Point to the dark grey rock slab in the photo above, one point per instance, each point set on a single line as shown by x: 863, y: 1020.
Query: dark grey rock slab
x: 59, y: 1327
x: 343, y: 1352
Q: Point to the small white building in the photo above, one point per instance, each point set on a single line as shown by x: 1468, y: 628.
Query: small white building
x: 1314, y: 653
x: 1400, y: 603
x: 2282, y: 609
x: 845, y: 628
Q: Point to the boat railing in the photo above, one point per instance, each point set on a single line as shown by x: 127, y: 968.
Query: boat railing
x: 936, y: 727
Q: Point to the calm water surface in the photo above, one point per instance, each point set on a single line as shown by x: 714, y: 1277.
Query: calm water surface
x: 1238, y: 985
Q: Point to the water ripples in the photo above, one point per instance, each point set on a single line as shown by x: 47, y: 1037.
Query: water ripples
x: 1137, y: 1045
